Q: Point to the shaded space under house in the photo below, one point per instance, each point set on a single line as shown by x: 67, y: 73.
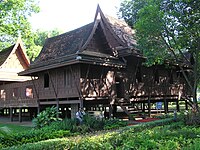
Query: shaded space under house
x: 98, y: 67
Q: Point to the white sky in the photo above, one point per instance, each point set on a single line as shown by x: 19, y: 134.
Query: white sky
x: 70, y: 14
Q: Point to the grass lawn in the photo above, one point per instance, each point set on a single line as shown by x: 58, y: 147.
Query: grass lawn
x: 14, y: 128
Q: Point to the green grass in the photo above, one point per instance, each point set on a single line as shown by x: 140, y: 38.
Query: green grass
x: 15, y: 128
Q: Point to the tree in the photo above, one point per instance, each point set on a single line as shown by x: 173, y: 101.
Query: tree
x: 168, y: 29
x: 39, y: 40
x: 14, y: 22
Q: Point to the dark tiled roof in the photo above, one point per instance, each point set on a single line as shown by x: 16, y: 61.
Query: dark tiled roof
x: 122, y: 30
x: 5, y: 53
x: 64, y: 44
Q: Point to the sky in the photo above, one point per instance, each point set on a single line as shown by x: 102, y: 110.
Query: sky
x: 67, y: 15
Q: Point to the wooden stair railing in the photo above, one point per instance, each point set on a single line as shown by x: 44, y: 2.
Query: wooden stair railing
x: 123, y: 105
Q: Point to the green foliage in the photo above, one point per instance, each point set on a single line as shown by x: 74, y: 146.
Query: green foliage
x: 114, y: 124
x: 39, y: 40
x: 190, y: 118
x: 14, y: 21
x: 47, y: 132
x: 165, y: 31
x: 46, y: 117
x: 166, y: 136
x: 59, y: 129
x: 93, y: 123
x: 14, y: 128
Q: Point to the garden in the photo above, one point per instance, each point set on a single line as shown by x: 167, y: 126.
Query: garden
x: 95, y: 133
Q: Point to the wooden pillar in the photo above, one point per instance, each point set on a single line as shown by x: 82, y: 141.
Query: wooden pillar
x: 74, y: 109
x: 38, y: 109
x: 149, y: 107
x: 114, y: 111
x: 11, y: 114
x: 37, y: 94
x: 143, y: 107
x: 20, y: 114
x: 165, y: 106
x: 57, y: 107
x: 177, y: 106
x: 81, y: 103
x: 186, y: 105
x: 110, y: 111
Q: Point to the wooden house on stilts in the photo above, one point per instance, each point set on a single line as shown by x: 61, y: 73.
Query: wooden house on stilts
x: 16, y: 92
x: 98, y: 67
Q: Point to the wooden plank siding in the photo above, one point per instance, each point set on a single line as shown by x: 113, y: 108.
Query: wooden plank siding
x: 62, y: 82
x: 16, y: 96
x: 160, y: 88
x: 92, y: 85
x: 63, y: 90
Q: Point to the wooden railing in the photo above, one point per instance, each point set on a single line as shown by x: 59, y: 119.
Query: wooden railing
x: 19, y: 103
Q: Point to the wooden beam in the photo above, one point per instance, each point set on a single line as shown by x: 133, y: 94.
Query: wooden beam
x: 11, y: 114
x: 186, y: 105
x: 20, y: 114
x: 61, y: 102
x: 56, y: 94
x: 165, y: 106
x: 149, y: 107
x: 77, y: 87
x: 37, y: 94
x: 177, y: 106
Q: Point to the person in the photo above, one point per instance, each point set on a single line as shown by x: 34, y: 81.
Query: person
x: 79, y: 115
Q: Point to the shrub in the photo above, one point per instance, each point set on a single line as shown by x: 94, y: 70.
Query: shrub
x: 32, y: 136
x: 93, y: 123
x: 149, y: 136
x: 46, y: 117
x: 190, y: 117
x: 114, y: 124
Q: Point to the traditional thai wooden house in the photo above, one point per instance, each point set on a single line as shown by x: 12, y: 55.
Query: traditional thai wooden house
x: 98, y: 66
x: 16, y: 92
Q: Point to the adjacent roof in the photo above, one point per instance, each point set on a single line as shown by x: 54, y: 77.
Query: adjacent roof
x: 71, y: 47
x: 5, y: 53
x: 12, y: 61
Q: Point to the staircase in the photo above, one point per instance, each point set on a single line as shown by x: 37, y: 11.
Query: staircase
x: 128, y: 107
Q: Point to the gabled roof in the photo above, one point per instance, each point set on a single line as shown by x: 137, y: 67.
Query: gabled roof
x: 64, y: 44
x: 5, y: 53
x: 66, y: 48
x: 12, y: 61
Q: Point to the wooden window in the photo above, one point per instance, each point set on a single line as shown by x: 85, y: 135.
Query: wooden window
x: 3, y: 94
x: 46, y: 80
x: 29, y: 92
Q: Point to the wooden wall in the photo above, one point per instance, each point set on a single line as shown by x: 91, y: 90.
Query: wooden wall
x: 63, y: 83
x: 158, y: 81
x: 21, y: 94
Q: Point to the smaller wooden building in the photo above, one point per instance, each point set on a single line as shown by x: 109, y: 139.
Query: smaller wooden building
x: 16, y: 92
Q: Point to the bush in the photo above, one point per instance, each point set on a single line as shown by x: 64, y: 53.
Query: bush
x: 46, y: 117
x: 148, y: 136
x: 190, y: 118
x: 48, y: 132
x: 114, y: 124
x: 93, y: 123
